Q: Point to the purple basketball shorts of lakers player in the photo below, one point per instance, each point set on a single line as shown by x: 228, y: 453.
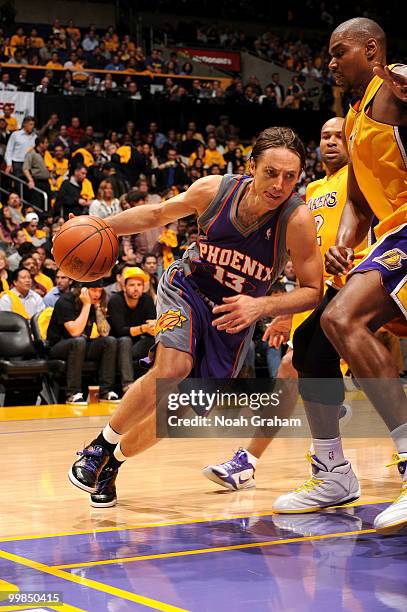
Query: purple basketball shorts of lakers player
x: 389, y: 257
x: 184, y: 322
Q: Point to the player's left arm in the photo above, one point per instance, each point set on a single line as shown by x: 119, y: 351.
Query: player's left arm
x: 394, y: 79
x: 240, y: 311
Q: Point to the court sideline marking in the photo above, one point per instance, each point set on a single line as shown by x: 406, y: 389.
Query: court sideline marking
x: 93, y: 584
x: 201, y: 551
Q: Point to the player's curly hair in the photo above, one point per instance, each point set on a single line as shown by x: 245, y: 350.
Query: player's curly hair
x: 279, y: 137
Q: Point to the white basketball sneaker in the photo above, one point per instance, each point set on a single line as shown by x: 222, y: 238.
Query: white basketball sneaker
x: 323, y: 490
x: 394, y: 518
x: 235, y: 474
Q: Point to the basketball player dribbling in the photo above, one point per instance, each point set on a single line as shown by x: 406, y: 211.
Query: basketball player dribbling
x: 214, y: 295
x: 376, y: 292
x: 326, y: 199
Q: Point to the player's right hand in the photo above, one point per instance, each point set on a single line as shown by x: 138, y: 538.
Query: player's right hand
x: 278, y: 331
x: 338, y: 260
x: 85, y: 297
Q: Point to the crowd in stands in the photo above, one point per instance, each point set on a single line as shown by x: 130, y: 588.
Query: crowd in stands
x: 68, y: 56
x: 85, y: 172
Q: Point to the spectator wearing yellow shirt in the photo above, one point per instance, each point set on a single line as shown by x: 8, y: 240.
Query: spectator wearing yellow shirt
x: 199, y: 153
x: 54, y: 63
x: 212, y: 155
x: 111, y: 44
x: 84, y: 153
x: 72, y: 31
x: 11, y: 121
x: 31, y: 231
x: 60, y: 164
x: 18, y: 39
x: 37, y: 42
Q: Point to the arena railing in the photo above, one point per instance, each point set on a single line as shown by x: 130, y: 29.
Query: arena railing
x: 21, y: 185
x: 154, y: 76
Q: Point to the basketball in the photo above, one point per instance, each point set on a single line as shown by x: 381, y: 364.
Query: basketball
x: 85, y: 248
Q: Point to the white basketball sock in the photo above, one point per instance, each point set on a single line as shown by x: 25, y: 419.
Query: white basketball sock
x: 110, y: 435
x: 329, y: 452
x: 118, y: 454
x: 251, y: 458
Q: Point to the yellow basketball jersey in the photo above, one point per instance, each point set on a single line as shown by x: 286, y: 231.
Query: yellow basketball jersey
x: 379, y: 159
x: 326, y: 198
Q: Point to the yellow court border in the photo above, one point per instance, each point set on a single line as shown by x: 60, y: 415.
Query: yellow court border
x: 207, y: 519
x: 201, y: 551
x: 54, y: 411
x: 93, y: 584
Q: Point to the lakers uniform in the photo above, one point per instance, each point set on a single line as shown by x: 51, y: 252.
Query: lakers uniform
x: 379, y: 158
x: 326, y: 199
x: 228, y: 259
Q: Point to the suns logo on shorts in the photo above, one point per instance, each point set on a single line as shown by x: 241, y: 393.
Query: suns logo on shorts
x: 169, y: 320
x: 392, y: 260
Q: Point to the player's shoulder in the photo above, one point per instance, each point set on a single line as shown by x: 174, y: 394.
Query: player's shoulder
x: 205, y: 188
x: 299, y: 216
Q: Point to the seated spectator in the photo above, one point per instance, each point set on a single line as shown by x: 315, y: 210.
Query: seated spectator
x: 269, y: 99
x: 118, y: 285
x: 149, y: 265
x: 7, y: 226
x: 189, y: 142
x: 90, y: 42
x: 31, y: 228
x: 105, y: 204
x: 18, y: 39
x: 54, y: 63
x: 132, y: 91
x: 20, y: 247
x: 199, y: 153
x: 63, y: 285
x: 154, y: 62
x: 212, y: 155
x: 171, y: 173
x: 5, y: 274
x: 69, y: 198
x: 107, y: 84
x: 75, y: 132
x: 5, y: 84
x: 225, y: 129
x: 64, y: 140
x: 19, y: 58
x: 115, y: 64
x: 132, y: 315
x: 84, y: 155
x: 60, y: 163
x: 21, y: 299
x: 69, y: 336
x: 41, y: 283
x: 11, y: 121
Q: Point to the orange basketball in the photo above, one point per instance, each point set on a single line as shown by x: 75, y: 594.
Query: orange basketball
x: 85, y: 248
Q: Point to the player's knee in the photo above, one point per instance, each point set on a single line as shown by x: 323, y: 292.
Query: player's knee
x: 286, y: 368
x: 334, y: 322
x: 179, y: 367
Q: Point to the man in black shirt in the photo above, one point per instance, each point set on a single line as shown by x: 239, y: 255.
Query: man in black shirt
x: 69, y: 333
x: 69, y: 199
x: 132, y: 317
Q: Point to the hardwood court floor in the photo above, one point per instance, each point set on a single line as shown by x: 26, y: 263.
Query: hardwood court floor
x: 164, y: 484
x: 175, y: 542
